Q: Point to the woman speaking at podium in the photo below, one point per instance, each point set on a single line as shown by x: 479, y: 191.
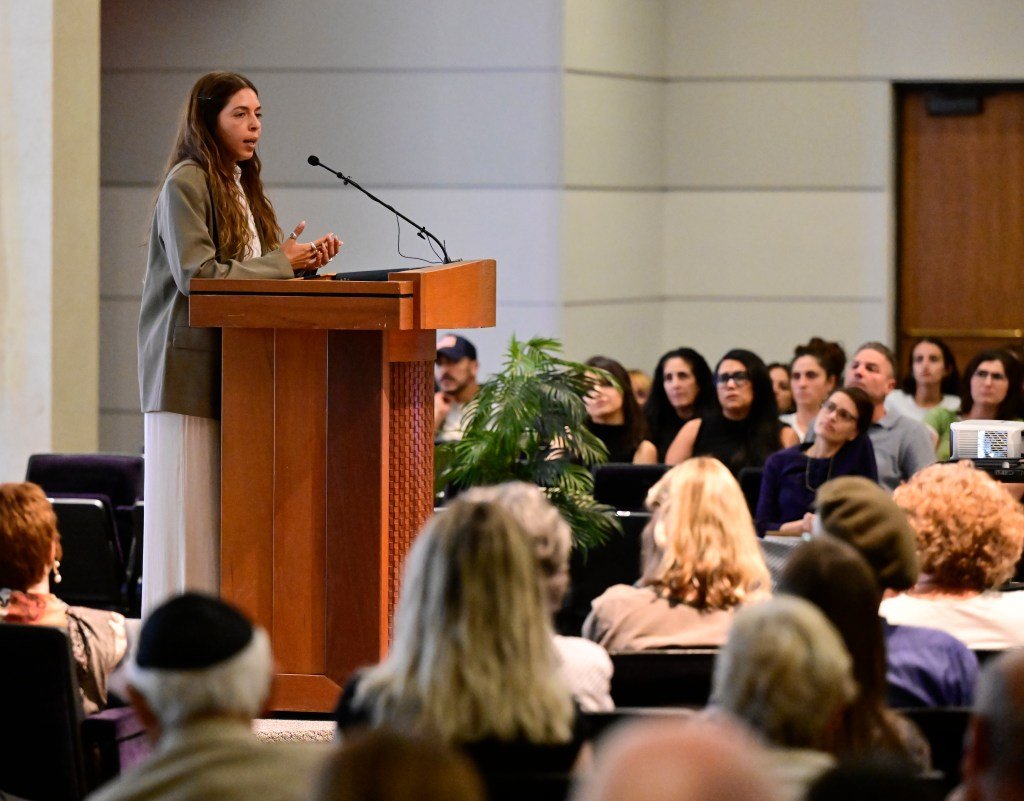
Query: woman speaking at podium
x: 211, y: 220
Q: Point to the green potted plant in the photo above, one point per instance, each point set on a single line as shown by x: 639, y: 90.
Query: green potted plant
x: 527, y: 423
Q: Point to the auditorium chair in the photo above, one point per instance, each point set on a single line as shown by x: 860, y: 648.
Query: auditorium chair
x: 625, y: 486
x: 678, y: 677
x: 944, y: 728
x: 750, y: 482
x: 92, y: 573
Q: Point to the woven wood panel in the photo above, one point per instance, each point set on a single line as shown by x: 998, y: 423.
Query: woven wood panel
x: 411, y: 466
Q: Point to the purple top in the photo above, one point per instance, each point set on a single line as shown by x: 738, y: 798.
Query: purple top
x: 928, y: 667
x: 791, y: 479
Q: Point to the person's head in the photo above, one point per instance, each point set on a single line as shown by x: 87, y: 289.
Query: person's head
x: 387, y: 766
x: 199, y: 657
x: 862, y: 514
x: 29, y: 542
x: 932, y: 363
x: 873, y: 369
x: 670, y: 760
x: 815, y: 372
x: 779, y: 374
x: 992, y: 379
x: 785, y: 672
x: 219, y: 129
x: 993, y: 765
x: 455, y: 367
x: 969, y: 528
x: 472, y: 655
x: 845, y: 416
x: 744, y: 386
x: 613, y: 401
x: 703, y: 549
x: 641, y: 383
x: 549, y: 534
x: 682, y: 387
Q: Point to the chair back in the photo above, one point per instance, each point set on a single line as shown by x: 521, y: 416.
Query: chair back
x: 668, y: 677
x: 625, y: 486
x: 118, y: 477
x: 750, y: 482
x: 91, y: 570
x: 944, y: 728
x: 41, y: 757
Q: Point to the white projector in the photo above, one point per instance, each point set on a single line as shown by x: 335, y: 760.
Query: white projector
x: 985, y: 439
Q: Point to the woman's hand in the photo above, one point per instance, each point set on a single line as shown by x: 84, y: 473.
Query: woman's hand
x: 313, y: 255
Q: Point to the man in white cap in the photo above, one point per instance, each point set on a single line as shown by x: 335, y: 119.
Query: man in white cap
x: 455, y: 375
x: 199, y: 676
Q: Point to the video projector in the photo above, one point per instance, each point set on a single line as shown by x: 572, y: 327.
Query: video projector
x: 994, y: 446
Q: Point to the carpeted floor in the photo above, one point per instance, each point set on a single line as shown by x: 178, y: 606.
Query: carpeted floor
x: 279, y: 730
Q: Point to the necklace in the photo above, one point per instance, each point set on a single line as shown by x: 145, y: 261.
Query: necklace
x: 807, y: 473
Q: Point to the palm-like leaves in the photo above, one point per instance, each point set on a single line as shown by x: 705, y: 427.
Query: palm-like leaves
x: 527, y: 423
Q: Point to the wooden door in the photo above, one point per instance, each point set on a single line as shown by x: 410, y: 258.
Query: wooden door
x: 960, y: 251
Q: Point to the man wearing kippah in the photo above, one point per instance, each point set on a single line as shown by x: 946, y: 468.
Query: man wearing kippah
x: 199, y: 676
x: 455, y: 376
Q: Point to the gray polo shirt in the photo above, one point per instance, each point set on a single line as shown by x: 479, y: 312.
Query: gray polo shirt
x: 902, y: 447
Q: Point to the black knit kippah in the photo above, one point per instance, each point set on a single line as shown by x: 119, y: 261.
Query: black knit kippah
x: 192, y: 632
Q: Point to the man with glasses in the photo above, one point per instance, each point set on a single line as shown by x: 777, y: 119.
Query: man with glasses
x: 902, y: 445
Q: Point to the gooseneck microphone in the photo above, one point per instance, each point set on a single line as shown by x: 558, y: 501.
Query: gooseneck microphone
x: 421, y: 232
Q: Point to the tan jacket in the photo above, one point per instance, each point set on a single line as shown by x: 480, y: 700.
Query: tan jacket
x: 179, y: 366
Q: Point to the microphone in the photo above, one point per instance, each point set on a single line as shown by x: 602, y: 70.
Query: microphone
x: 421, y: 232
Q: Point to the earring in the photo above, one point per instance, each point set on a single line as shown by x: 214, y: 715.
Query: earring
x: 57, y: 577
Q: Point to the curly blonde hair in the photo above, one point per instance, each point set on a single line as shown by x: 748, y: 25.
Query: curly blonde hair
x: 969, y: 529
x: 703, y: 548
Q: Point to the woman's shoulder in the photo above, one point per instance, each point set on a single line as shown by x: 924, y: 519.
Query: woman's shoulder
x: 186, y: 177
x: 940, y: 418
x: 624, y: 594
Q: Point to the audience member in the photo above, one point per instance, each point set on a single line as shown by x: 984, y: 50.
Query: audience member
x: 383, y: 765
x: 779, y: 374
x: 472, y: 662
x: 682, y: 389
x: 661, y: 760
x: 969, y: 537
x: 29, y: 553
x: 993, y: 764
x: 902, y: 445
x: 792, y: 476
x: 641, y: 384
x: 455, y: 375
x: 746, y: 430
x: 702, y: 561
x: 815, y: 372
x: 614, y: 415
x: 785, y: 672
x: 200, y: 675
x: 931, y: 382
x: 586, y: 666
x: 925, y: 666
x: 990, y: 390
x: 835, y: 578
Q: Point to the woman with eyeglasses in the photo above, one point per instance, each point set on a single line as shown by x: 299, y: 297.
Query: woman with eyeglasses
x: 745, y: 430
x: 990, y: 390
x: 792, y: 476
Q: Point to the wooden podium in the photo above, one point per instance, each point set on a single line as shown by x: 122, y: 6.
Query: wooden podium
x: 327, y: 454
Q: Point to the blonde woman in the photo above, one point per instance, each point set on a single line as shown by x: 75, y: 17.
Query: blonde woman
x: 472, y: 663
x: 702, y: 562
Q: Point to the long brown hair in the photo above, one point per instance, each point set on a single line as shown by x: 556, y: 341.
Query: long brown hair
x: 197, y: 140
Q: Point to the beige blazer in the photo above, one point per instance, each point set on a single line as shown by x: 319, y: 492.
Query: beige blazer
x: 179, y: 366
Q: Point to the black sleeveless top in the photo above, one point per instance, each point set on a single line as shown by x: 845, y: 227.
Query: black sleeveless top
x: 730, y: 441
x: 615, y: 439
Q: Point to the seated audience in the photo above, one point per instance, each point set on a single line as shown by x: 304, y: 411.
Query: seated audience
x: 200, y: 675
x: 990, y: 390
x: 383, y: 765
x: 836, y: 579
x: 815, y: 372
x: 455, y: 371
x: 931, y: 382
x: 701, y: 563
x: 586, y: 666
x: 681, y: 390
x: 472, y: 662
x: 792, y: 476
x: 663, y: 760
x: 925, y: 666
x: 641, y: 383
x: 746, y: 430
x: 969, y: 536
x: 993, y: 764
x: 779, y: 374
x: 614, y: 415
x: 902, y: 445
x: 29, y: 553
x: 785, y: 672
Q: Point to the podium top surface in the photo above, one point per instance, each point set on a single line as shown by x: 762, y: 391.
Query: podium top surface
x: 458, y: 295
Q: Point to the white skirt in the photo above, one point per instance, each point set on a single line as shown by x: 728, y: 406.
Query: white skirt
x: 181, y: 523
